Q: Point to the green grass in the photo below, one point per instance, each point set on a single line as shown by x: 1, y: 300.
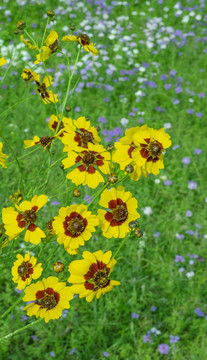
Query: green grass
x: 146, y: 267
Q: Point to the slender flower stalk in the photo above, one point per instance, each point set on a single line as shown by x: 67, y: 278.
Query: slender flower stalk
x: 20, y: 330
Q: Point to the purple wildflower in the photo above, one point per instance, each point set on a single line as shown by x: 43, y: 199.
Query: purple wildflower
x: 105, y: 354
x: 163, y: 349
x: 192, y: 185
x: 175, y: 147
x: 197, y: 151
x: 168, y: 182
x: 179, y: 258
x: 173, y: 72
x: 190, y: 111
x: 72, y: 351
x: 102, y: 119
x: 201, y: 95
x: 188, y: 213
x: 199, y: 114
x: 55, y: 202
x: 135, y: 315
x: 180, y: 236
x: 52, y: 354
x: 157, y: 234
x: 186, y: 160
x: 167, y: 86
x: 174, y: 339
x: 190, y: 232
x: 153, y: 308
x: 199, y: 312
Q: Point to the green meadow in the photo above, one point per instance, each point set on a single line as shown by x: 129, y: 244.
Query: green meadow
x: 151, y: 69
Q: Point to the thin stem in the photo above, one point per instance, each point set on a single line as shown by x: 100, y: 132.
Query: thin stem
x: 43, y: 38
x: 46, y: 264
x: 11, y: 307
x: 11, y: 107
x: 98, y: 193
x: 25, y: 155
x: 21, y: 329
x: 31, y: 38
x: 120, y: 246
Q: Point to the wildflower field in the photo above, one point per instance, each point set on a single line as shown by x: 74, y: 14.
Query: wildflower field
x: 103, y: 179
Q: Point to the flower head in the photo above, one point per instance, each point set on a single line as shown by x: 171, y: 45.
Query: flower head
x: 90, y: 276
x: 91, y: 163
x: 74, y: 226
x: 51, y: 47
x: 84, y: 40
x: 49, y: 297
x: 28, y: 43
x: 28, y: 74
x: 3, y: 61
x: 25, y: 269
x: 42, y: 89
x: 53, y: 123
x: 2, y: 156
x: 121, y: 210
x: 44, y: 141
x: 15, y: 222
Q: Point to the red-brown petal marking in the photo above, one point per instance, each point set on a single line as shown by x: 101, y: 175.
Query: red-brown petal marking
x: 85, y: 40
x: 78, y: 159
x: 40, y: 294
x: 99, y: 162
x: 92, y: 270
x: 21, y: 223
x: 32, y: 227
x: 147, y: 140
x: 81, y: 168
x: 144, y: 153
x: 101, y: 265
x: 91, y: 169
x: 88, y: 286
x: 113, y: 203
x: 35, y: 208
x: 77, y: 138
x: 108, y: 216
x: 130, y: 150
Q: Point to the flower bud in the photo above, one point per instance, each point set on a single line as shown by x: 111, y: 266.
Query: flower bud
x: 50, y: 14
x: 72, y: 26
x: 112, y: 178
x: 133, y: 224
x: 68, y: 108
x: 61, y: 166
x: 58, y: 267
x: 87, y: 118
x: 98, y: 128
x: 129, y: 169
x: 138, y: 233
x: 49, y: 226
x: 17, y: 32
x: 21, y: 25
x: 76, y: 193
x: 110, y: 147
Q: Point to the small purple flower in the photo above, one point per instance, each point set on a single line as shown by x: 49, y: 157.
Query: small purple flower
x: 190, y: 111
x: 201, y: 95
x: 180, y: 236
x: 88, y: 198
x: 178, y: 89
x: 163, y: 77
x: 72, y: 351
x: 190, y: 232
x: 77, y: 109
x: 105, y: 354
x: 181, y: 269
x: 175, y: 101
x: 199, y: 114
x: 34, y: 338
x: 179, y: 258
x: 146, y: 338
x: 168, y: 182
x: 174, y: 339
x: 141, y: 120
x: 199, y: 312
x: 52, y: 354
x: 163, y: 349
x: 24, y: 317
x: 192, y: 185
x: 135, y: 315
x: 173, y: 72
x: 106, y: 99
x: 175, y: 147
x: 188, y: 213
x: 186, y: 160
x: 153, y: 308
x: 55, y: 202
x: 197, y: 151
x: 167, y: 86
x: 102, y: 119
x: 157, y: 234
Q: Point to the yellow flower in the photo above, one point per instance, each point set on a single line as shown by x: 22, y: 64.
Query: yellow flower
x: 2, y: 156
x: 53, y: 122
x: 17, y: 197
x: 121, y: 209
x: 28, y: 43
x: 90, y: 276
x: 49, y: 298
x: 3, y: 238
x: 42, y: 89
x: 84, y: 40
x: 3, y: 61
x: 74, y: 226
x: 28, y: 74
x: 44, y: 141
x: 15, y: 222
x: 25, y: 269
x: 142, y: 147
x: 47, y: 51
x: 79, y: 132
x: 91, y: 163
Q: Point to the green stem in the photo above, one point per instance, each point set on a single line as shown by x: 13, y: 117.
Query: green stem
x: 98, y: 193
x: 120, y: 246
x: 19, y: 102
x: 43, y: 38
x: 11, y: 307
x: 21, y: 329
x: 46, y: 264
x: 25, y: 155
x: 31, y: 38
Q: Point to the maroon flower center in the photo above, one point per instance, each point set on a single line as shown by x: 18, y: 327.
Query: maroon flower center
x: 54, y: 46
x: 76, y: 226
x: 46, y: 141
x: 120, y: 213
x: 29, y: 216
x: 85, y: 40
x: 42, y: 90
x: 88, y: 158
x: 100, y: 279
x: 155, y: 148
x: 25, y: 270
x: 86, y: 137
x: 97, y: 276
x: 47, y: 299
x: 29, y: 75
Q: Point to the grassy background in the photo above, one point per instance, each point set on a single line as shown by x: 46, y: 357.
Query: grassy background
x: 146, y: 268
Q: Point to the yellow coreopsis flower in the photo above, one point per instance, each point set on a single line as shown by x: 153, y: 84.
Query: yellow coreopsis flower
x: 79, y: 133
x: 2, y: 156
x: 3, y: 61
x: 17, y: 197
x: 84, y: 40
x: 121, y: 210
x: 53, y: 122
x: 28, y: 74
x: 28, y: 43
x: 47, y: 51
x: 74, y: 225
x: 15, y: 222
x: 44, y: 141
x: 91, y: 163
x: 25, y: 269
x: 142, y: 147
x: 90, y: 276
x: 46, y: 95
x: 49, y: 298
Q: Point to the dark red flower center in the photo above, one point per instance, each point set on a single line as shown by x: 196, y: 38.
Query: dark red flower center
x: 29, y: 216
x: 47, y: 299
x: 46, y: 141
x: 74, y: 224
x: 85, y: 40
x: 97, y: 276
x: 54, y: 46
x: 88, y: 158
x: 25, y: 270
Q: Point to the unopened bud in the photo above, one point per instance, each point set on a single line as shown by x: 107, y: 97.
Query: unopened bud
x: 21, y: 25
x: 138, y: 233
x: 87, y: 118
x: 61, y: 166
x: 98, y: 128
x: 17, y: 32
x: 112, y: 178
x: 133, y: 224
x: 58, y: 267
x: 72, y: 26
x: 129, y: 169
x: 68, y: 108
x: 50, y: 14
x: 110, y: 147
x: 76, y: 193
x: 49, y: 226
